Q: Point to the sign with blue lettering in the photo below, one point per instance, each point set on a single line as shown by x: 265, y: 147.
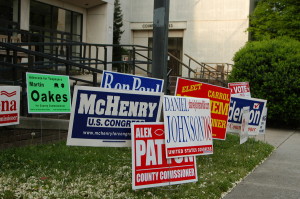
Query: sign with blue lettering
x: 130, y: 82
x: 188, y: 129
x: 103, y: 117
x: 235, y: 114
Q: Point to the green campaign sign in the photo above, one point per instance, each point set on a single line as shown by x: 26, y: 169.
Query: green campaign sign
x: 48, y: 93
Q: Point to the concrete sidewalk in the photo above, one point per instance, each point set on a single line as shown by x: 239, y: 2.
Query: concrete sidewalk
x: 279, y: 176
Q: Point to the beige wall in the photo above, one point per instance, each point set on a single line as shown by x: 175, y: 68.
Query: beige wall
x: 214, y: 29
x: 99, y: 27
x: 24, y: 14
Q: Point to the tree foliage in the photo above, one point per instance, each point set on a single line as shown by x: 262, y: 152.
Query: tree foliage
x: 275, y: 18
x: 273, y: 69
x: 117, y: 33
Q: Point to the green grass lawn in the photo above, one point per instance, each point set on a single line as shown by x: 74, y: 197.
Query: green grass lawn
x: 60, y: 171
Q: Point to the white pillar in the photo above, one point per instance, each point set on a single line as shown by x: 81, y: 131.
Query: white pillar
x: 24, y: 14
x: 99, y: 28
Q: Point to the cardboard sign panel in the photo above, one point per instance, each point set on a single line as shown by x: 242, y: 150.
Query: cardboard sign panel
x: 150, y: 167
x: 262, y: 126
x: 130, y: 82
x: 257, y: 107
x: 102, y: 117
x: 245, y: 122
x: 187, y: 126
x: 219, y: 102
x: 48, y: 93
x: 9, y: 105
x: 239, y: 89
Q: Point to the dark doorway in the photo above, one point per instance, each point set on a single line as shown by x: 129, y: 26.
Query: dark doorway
x: 173, y: 64
x: 175, y: 48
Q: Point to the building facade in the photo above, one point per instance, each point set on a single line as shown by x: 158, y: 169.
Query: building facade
x: 88, y: 21
x: 208, y: 31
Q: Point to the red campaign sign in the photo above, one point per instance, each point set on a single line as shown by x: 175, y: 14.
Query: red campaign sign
x: 219, y: 102
x: 150, y: 167
x: 8, y: 118
x: 9, y: 105
x: 239, y: 89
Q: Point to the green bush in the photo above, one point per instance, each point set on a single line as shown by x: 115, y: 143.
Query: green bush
x: 272, y: 68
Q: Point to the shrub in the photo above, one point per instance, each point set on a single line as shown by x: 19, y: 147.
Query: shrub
x: 272, y: 68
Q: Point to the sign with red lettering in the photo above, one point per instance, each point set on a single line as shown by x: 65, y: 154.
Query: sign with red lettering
x: 237, y: 104
x: 239, y: 89
x: 150, y: 167
x: 187, y: 126
x: 9, y: 105
x: 219, y: 102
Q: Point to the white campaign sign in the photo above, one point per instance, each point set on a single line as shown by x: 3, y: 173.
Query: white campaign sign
x: 9, y: 105
x: 187, y: 126
x: 244, y: 127
x: 240, y: 89
x: 262, y: 127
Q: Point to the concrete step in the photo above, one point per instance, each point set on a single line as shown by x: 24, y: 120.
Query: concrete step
x: 42, y: 123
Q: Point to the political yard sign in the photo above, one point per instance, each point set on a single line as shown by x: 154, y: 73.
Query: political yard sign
x: 219, y: 102
x: 150, y: 167
x: 9, y: 105
x: 257, y: 107
x: 239, y: 89
x: 244, y: 125
x: 188, y: 128
x: 102, y: 117
x: 48, y: 93
x: 130, y: 82
x: 262, y: 126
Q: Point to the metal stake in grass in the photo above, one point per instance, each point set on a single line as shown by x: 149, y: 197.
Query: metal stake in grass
x: 41, y: 122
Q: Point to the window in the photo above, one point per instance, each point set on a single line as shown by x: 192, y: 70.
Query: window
x: 9, y: 14
x: 54, y: 22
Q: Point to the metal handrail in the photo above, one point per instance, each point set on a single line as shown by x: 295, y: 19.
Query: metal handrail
x: 207, y: 69
x: 178, y: 60
x: 82, y: 62
x: 36, y: 53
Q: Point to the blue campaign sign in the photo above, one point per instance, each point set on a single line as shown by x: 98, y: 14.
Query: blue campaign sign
x: 130, y: 82
x: 235, y: 114
x: 103, y: 117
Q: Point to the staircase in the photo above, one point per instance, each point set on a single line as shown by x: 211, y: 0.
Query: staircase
x: 212, y: 73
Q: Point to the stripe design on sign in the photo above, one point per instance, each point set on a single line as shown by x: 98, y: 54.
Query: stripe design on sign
x: 8, y: 94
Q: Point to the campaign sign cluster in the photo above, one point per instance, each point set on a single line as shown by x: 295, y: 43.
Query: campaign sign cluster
x: 9, y: 105
x: 150, y: 167
x: 257, y: 107
x: 187, y: 126
x: 130, y: 82
x: 219, y: 102
x: 102, y: 117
